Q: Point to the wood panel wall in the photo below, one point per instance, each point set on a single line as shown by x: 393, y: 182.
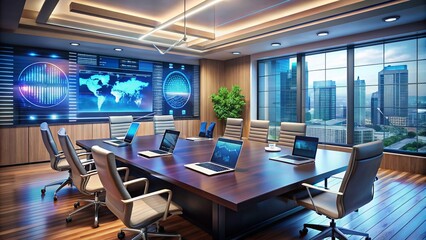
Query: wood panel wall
x: 237, y: 72
x: 211, y: 79
x: 21, y: 145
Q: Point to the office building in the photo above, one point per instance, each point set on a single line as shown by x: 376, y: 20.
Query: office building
x: 393, y: 93
x: 359, y: 103
x: 325, y: 100
x: 346, y: 72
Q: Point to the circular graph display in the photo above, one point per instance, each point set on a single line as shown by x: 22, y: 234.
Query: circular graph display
x: 43, y: 84
x: 176, y: 89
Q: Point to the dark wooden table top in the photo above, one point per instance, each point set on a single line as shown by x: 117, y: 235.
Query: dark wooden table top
x: 256, y: 177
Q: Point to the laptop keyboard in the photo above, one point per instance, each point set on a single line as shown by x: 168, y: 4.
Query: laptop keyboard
x: 296, y: 157
x: 158, y: 151
x: 212, y: 167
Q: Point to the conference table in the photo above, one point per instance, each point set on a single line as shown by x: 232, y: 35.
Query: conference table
x: 228, y: 205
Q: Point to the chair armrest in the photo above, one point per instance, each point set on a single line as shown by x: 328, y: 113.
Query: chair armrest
x: 90, y: 173
x: 137, y: 180
x: 126, y: 169
x: 60, y: 154
x: 84, y: 153
x: 159, y: 192
x: 307, y: 185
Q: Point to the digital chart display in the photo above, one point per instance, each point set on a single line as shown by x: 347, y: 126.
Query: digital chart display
x: 103, y: 92
x: 41, y: 86
x: 178, y: 89
x: 62, y: 87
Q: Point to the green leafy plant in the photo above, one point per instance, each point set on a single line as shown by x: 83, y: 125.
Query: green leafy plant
x: 228, y: 104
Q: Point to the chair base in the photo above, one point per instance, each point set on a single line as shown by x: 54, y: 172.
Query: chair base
x: 331, y: 231
x: 96, y: 203
x: 144, y: 233
x: 61, y: 184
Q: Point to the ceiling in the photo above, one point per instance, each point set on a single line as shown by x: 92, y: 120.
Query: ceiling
x: 222, y: 27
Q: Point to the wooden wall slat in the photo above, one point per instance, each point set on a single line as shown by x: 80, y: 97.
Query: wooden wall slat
x: 14, y: 145
x: 237, y: 72
x: 211, y: 79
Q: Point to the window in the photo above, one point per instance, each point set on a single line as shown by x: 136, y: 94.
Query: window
x: 277, y: 92
x: 389, y: 94
x: 325, y: 91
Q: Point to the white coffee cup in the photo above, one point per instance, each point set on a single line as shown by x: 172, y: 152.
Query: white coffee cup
x: 272, y: 146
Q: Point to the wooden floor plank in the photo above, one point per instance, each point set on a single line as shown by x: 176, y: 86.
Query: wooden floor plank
x: 25, y: 214
x: 410, y: 225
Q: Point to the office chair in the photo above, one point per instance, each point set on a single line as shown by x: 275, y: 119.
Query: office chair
x: 289, y: 131
x: 234, y: 128
x: 57, y: 159
x: 118, y: 125
x: 210, y: 129
x: 137, y: 213
x: 356, y: 190
x: 259, y: 130
x: 87, y: 182
x: 163, y: 122
x: 203, y: 129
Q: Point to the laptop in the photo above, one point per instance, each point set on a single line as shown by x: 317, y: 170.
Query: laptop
x: 304, y: 151
x: 224, y: 158
x: 167, y: 146
x: 128, y: 138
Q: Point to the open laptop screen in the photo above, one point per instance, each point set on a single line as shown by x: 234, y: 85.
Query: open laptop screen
x: 226, y: 152
x: 305, y: 146
x: 131, y: 133
x: 169, y: 141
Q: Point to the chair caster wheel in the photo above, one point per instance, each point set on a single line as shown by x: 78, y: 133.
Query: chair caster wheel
x: 76, y: 204
x: 55, y: 198
x: 161, y: 229
x: 368, y: 238
x: 68, y: 219
x: 303, y: 232
x: 121, y: 235
x: 43, y: 191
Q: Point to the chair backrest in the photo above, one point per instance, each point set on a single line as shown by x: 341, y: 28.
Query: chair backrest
x: 77, y: 169
x: 210, y: 130
x: 163, y: 122
x: 113, y: 185
x: 234, y: 128
x: 203, y: 129
x: 259, y: 130
x: 118, y: 125
x: 50, y: 144
x: 357, y: 184
x: 289, y: 131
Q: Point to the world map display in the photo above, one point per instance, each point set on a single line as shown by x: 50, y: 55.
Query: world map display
x: 109, y: 92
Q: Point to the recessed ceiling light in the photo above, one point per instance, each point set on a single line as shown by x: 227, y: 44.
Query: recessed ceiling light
x: 322, y: 34
x: 275, y: 44
x: 75, y: 44
x: 391, y: 19
x: 118, y: 49
x: 236, y: 53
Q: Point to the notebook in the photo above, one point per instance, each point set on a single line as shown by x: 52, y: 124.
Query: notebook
x: 304, y: 151
x: 224, y: 158
x: 167, y: 146
x: 128, y: 138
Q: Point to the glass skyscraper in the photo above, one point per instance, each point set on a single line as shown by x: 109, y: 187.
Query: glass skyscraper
x: 393, y: 93
x: 325, y: 100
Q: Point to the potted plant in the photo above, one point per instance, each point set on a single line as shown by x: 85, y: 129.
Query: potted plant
x: 228, y: 104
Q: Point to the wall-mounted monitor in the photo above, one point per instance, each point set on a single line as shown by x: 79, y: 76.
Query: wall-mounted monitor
x: 60, y: 86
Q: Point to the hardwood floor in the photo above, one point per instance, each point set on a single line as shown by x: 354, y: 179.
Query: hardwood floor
x: 398, y: 211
